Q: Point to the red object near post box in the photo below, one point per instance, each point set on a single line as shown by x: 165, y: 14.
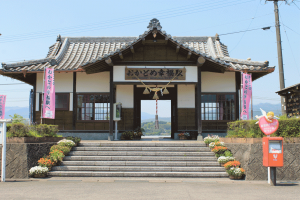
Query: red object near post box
x: 273, y: 151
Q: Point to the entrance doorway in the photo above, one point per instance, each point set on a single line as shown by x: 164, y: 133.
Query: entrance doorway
x: 172, y: 97
x: 148, y: 123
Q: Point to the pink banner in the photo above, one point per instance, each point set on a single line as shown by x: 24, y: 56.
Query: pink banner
x: 247, y: 93
x: 2, y: 106
x: 49, y: 95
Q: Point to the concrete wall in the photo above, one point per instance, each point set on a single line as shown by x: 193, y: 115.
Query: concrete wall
x: 186, y: 96
x: 218, y: 82
x: 251, y: 158
x: 20, y: 157
x: 124, y: 94
x: 98, y: 82
x: 119, y: 74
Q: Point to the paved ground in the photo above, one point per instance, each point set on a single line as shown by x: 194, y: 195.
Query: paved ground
x: 146, y: 188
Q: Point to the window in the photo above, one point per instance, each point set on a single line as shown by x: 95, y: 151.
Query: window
x: 61, y: 101
x: 218, y: 107
x: 93, y: 107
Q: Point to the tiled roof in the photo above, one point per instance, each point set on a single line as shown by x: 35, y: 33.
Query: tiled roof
x: 71, y: 53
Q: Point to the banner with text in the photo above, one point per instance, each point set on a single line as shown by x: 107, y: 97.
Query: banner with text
x: 2, y: 106
x: 49, y: 95
x: 247, y: 93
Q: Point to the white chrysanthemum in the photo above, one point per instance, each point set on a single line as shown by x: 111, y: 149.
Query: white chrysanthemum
x: 66, y: 142
x: 211, y: 145
x: 38, y: 170
x: 231, y: 158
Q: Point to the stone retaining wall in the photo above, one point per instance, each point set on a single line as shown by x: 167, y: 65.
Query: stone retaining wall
x: 20, y: 157
x: 251, y: 158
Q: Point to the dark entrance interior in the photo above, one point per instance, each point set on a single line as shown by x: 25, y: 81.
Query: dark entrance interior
x: 138, y: 96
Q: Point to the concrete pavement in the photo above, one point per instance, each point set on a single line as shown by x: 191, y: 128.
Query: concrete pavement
x: 146, y: 188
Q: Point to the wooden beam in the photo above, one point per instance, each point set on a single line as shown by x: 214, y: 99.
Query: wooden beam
x: 132, y: 49
x: 24, y: 73
x: 74, y: 102
x: 199, y: 111
x: 121, y: 55
x: 177, y: 49
x: 189, y: 55
x: 111, y: 104
x: 109, y: 62
x: 200, y: 61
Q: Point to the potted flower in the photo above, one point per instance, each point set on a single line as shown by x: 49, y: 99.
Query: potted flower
x: 211, y: 138
x: 223, y: 159
x: 219, y: 150
x: 56, y: 156
x: 236, y: 173
x: 231, y: 164
x: 138, y: 133
x: 213, y: 144
x: 45, y: 162
x: 182, y: 136
x: 38, y: 172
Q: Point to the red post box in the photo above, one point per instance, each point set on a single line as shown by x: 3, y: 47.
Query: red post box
x: 273, y: 151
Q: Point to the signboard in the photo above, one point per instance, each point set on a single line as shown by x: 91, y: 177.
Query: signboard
x: 155, y: 73
x: 2, y: 106
x: 49, y: 95
x: 268, y: 127
x: 247, y: 93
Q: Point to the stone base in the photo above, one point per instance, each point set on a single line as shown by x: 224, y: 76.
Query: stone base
x: 199, y: 138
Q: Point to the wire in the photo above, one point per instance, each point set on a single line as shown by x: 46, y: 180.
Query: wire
x: 125, y: 21
x: 296, y: 5
x: 290, y: 28
x: 246, y: 30
x: 296, y: 65
x: 15, y: 84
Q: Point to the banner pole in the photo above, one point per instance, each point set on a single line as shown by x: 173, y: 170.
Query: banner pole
x: 251, y: 97
x: 241, y: 86
x: 42, y: 102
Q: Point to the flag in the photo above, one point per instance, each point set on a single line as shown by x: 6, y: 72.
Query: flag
x: 2, y: 106
x: 247, y: 93
x: 49, y: 95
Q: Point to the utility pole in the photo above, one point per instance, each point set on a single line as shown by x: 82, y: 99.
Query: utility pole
x: 279, y: 53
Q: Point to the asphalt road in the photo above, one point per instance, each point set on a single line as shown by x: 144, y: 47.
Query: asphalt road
x: 146, y: 188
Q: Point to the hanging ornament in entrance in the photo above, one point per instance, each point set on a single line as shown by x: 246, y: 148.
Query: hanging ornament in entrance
x: 163, y: 91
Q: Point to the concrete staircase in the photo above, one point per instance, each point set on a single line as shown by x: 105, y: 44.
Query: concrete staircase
x: 140, y: 159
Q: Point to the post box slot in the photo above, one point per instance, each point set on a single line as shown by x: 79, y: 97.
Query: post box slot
x: 275, y: 146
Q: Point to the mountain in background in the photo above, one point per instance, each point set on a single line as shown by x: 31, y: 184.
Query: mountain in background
x: 23, y: 111
x: 146, y: 117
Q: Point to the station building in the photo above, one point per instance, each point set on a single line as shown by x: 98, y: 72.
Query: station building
x: 92, y: 73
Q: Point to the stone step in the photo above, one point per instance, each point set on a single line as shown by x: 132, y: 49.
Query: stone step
x: 137, y: 174
x: 142, y: 144
x: 138, y: 153
x: 173, y: 149
x: 139, y: 158
x: 139, y: 163
x: 138, y: 168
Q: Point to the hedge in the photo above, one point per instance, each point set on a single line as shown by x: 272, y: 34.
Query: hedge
x: 248, y: 129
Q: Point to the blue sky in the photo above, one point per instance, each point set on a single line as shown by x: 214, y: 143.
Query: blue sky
x: 28, y: 28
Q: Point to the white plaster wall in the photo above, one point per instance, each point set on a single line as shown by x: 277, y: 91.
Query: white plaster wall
x: 124, y: 94
x: 98, y: 82
x: 218, y: 82
x: 119, y: 73
x: 37, y: 102
x: 63, y: 82
x: 186, y: 96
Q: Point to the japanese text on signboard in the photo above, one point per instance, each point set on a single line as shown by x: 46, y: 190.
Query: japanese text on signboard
x: 155, y: 73
x: 2, y: 106
x: 49, y: 95
x: 247, y: 93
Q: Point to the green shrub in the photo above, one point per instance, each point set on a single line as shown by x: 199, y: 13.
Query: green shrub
x: 18, y: 130
x: 127, y: 135
x: 46, y: 130
x: 248, y: 129
x: 64, y: 149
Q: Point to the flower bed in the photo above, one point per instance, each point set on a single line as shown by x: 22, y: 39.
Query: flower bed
x: 225, y: 157
x: 56, y: 155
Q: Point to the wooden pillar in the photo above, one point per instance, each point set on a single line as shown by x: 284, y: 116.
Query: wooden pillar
x: 199, y: 114
x: 34, y: 101
x: 74, y: 101
x: 237, y: 89
x: 111, y: 101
